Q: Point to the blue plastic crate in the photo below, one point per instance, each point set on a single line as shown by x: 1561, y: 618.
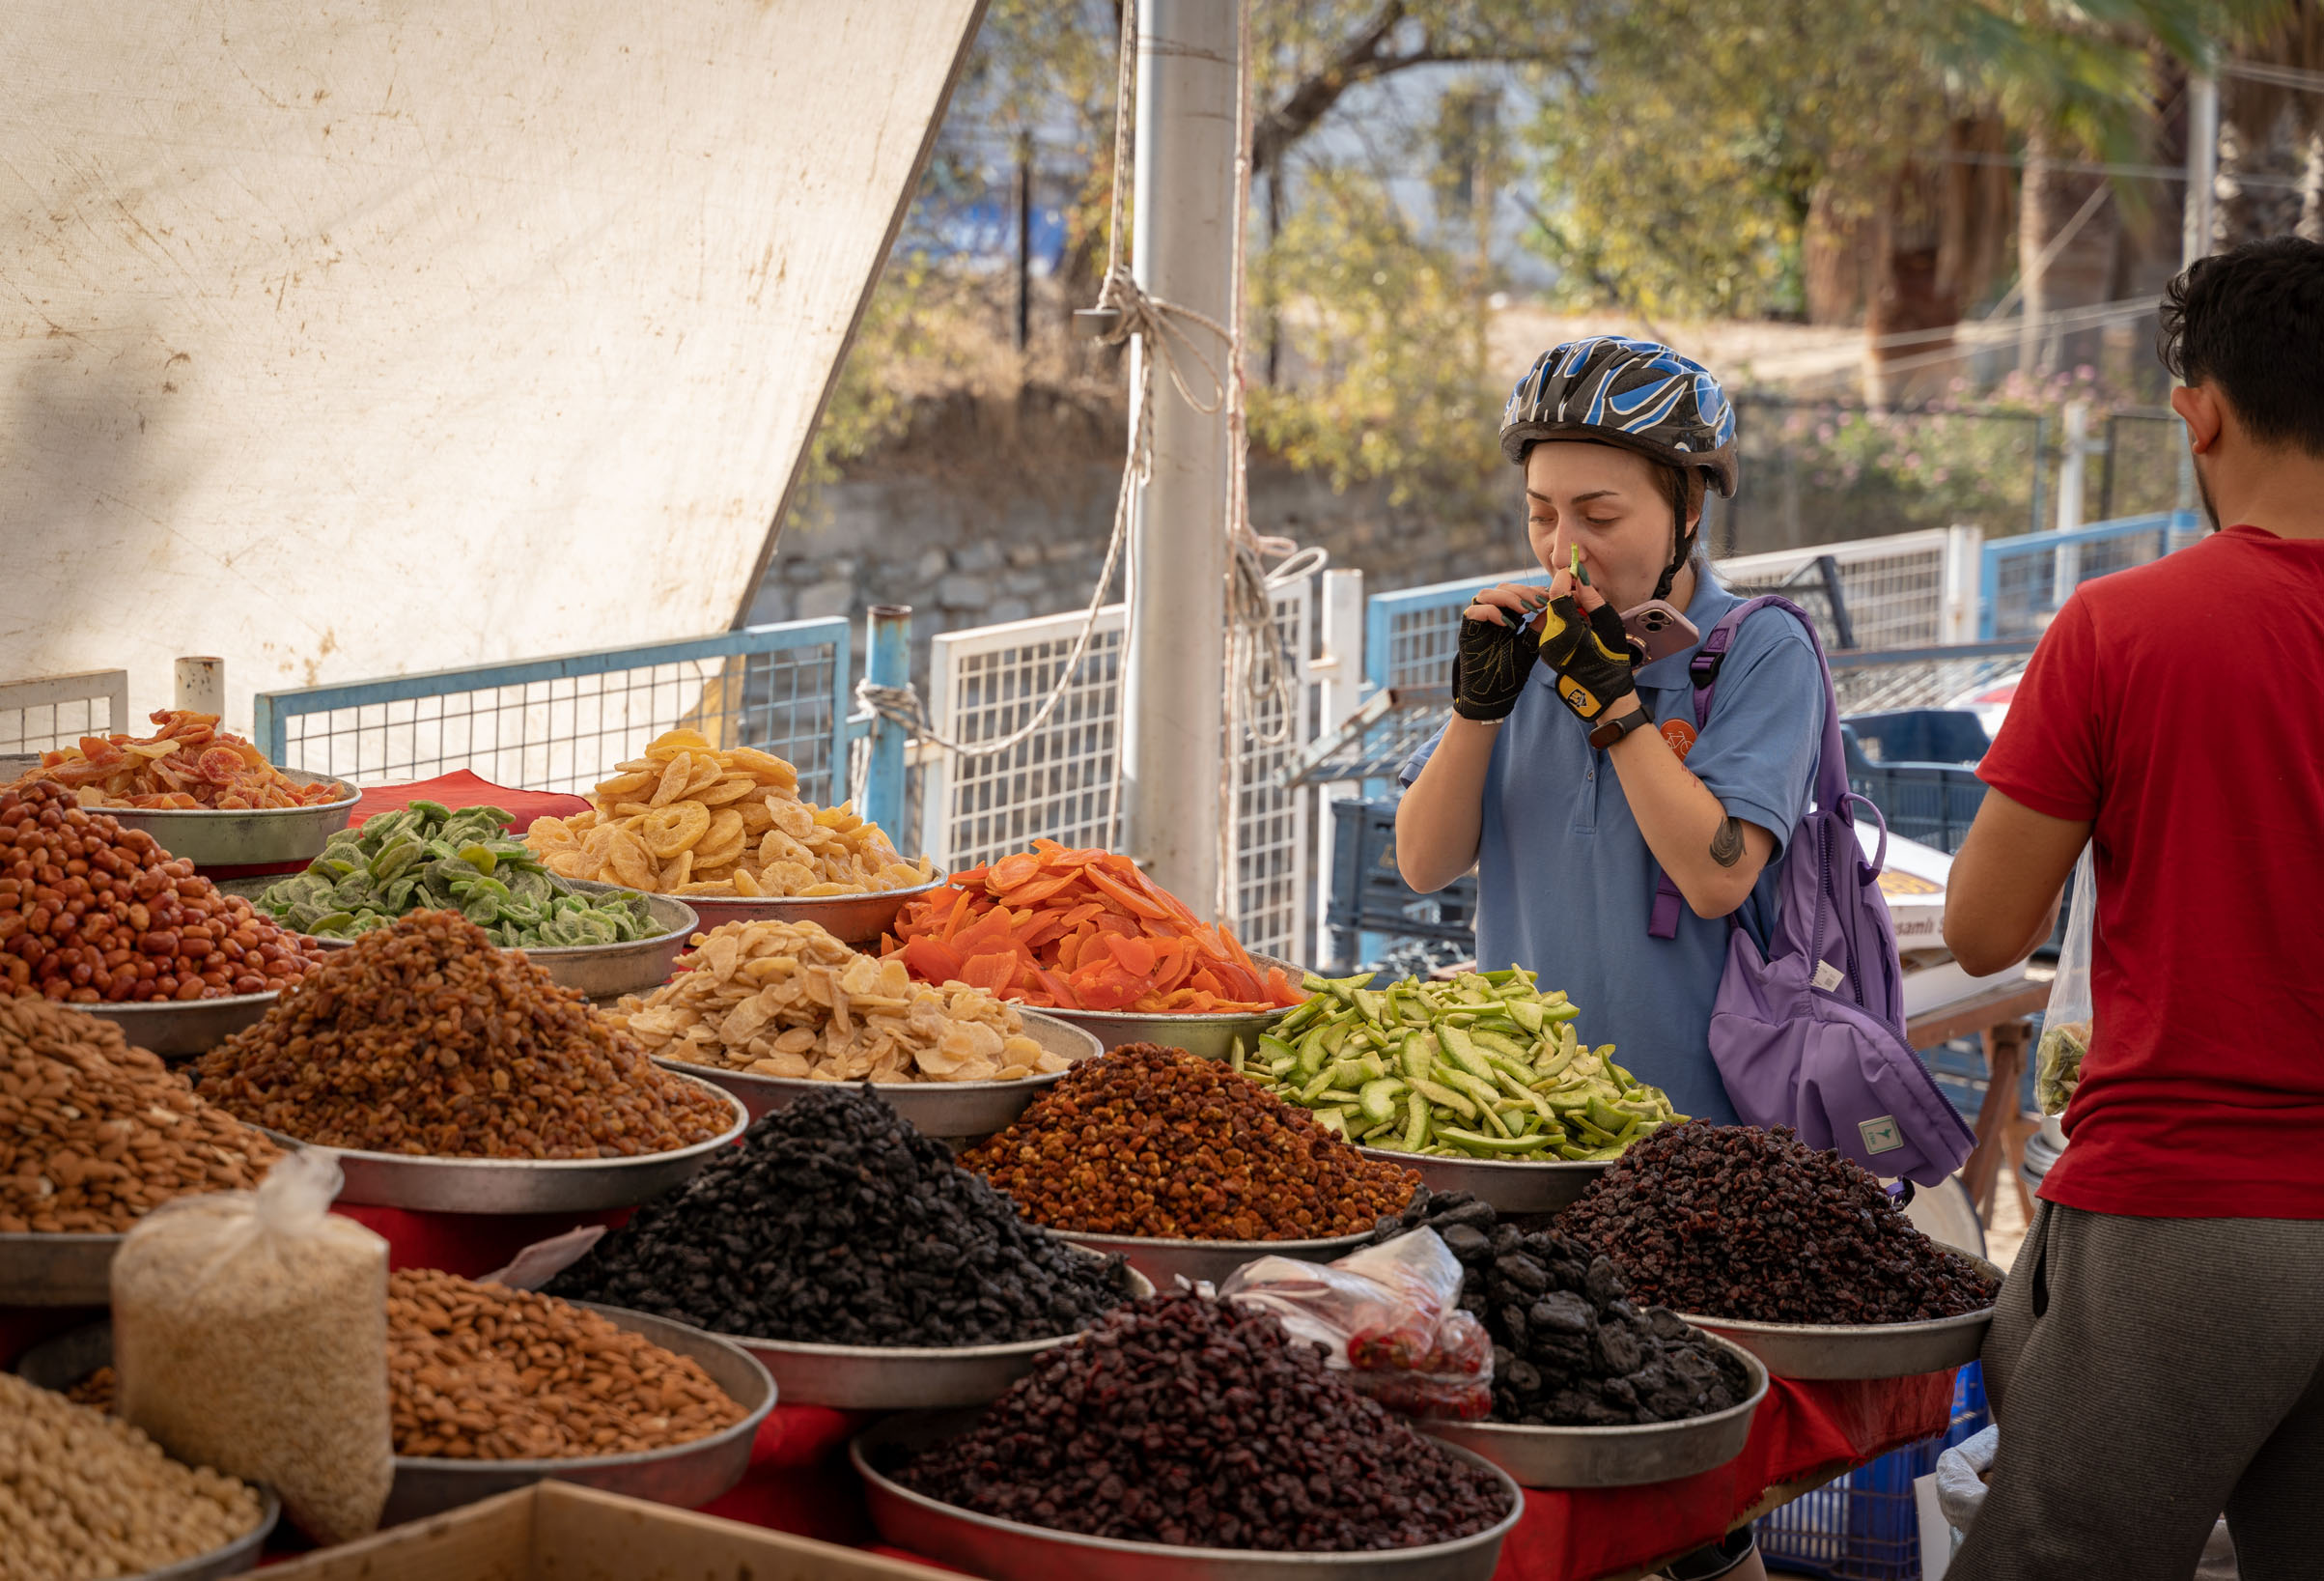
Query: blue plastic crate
x: 1865, y: 1525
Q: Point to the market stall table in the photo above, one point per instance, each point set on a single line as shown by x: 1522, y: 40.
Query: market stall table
x: 1997, y: 1014
x: 1804, y: 1435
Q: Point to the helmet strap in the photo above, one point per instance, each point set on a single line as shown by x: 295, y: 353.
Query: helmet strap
x: 1682, y: 534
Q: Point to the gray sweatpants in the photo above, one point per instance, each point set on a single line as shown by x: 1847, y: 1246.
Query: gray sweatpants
x: 2148, y: 1373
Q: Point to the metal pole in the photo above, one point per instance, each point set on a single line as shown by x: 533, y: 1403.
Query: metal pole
x: 2203, y: 167
x: 1174, y: 702
x: 1342, y: 669
x: 1025, y: 243
x: 886, y: 662
x: 2194, y: 238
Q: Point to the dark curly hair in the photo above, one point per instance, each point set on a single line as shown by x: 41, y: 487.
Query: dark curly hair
x: 2251, y: 323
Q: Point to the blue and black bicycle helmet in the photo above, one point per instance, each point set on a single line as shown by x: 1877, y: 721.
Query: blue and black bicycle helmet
x: 1640, y: 394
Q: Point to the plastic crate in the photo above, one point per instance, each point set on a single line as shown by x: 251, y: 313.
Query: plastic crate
x: 1921, y: 735
x: 1865, y: 1525
x: 1369, y: 896
x: 1932, y: 803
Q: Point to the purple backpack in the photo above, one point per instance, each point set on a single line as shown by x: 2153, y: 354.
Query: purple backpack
x: 1812, y: 1034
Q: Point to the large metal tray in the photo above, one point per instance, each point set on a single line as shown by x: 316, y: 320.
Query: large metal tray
x: 850, y: 918
x: 1208, y: 1037
x: 1545, y: 1186
x: 239, y: 837
x: 905, y: 1378
x: 1865, y: 1350
x: 686, y: 1475
x: 1660, y: 1451
x: 521, y: 1185
x: 181, y: 1029
x: 1007, y: 1550
x: 64, y: 1270
x: 933, y: 1109
x: 1163, y: 1260
x: 602, y: 972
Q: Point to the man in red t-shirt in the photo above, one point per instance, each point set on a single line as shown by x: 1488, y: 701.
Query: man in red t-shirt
x: 2158, y: 1354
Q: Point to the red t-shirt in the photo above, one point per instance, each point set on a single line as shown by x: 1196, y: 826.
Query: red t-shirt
x: 2180, y: 706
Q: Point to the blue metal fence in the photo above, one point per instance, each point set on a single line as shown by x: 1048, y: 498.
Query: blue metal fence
x: 2024, y: 579
x: 563, y: 723
x: 1408, y: 636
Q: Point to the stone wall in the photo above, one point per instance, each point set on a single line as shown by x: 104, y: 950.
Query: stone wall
x: 975, y: 519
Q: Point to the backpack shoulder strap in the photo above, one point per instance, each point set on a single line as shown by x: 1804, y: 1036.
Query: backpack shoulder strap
x: 1710, y: 656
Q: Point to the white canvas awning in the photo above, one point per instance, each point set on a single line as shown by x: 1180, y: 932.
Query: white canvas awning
x: 344, y: 339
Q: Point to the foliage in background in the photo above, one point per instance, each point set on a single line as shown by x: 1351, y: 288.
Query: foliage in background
x: 1393, y: 335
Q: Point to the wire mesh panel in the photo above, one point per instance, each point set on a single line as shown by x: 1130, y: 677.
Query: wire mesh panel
x: 1894, y: 587
x: 987, y: 681
x: 563, y: 723
x: 1059, y: 784
x: 1271, y: 824
x: 2027, y: 579
x: 49, y: 711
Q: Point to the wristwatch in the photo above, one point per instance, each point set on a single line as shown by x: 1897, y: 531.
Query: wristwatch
x: 1612, y: 730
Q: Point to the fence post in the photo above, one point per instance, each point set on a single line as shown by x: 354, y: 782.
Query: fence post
x: 1342, y: 666
x: 1958, y: 609
x: 886, y: 662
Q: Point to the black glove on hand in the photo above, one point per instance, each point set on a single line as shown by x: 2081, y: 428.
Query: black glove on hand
x: 1591, y: 652
x: 1490, y: 665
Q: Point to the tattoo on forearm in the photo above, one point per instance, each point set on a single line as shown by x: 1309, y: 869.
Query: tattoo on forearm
x: 1726, y: 843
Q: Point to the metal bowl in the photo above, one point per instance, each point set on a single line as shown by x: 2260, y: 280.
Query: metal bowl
x: 850, y: 918
x: 61, y: 1270
x: 1860, y: 1350
x: 905, y: 1377
x: 521, y: 1185
x: 1545, y: 1186
x: 1007, y: 1550
x: 688, y: 1475
x: 602, y: 972
x: 1660, y: 1451
x: 236, y: 1558
x: 1162, y: 1261
x: 232, y: 837
x: 933, y: 1109
x: 181, y: 1029
x: 1206, y: 1036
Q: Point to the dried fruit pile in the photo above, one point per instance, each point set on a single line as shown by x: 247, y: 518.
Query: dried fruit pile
x: 91, y: 911
x: 95, y: 1134
x: 689, y: 818
x: 786, y: 998
x: 835, y: 1223
x: 189, y: 763
x: 483, y: 1372
x: 1150, y: 1141
x: 1081, y: 930
x: 1568, y: 1348
x: 1730, y: 1221
x: 1199, y: 1422
x: 427, y: 857
x: 83, y: 1495
x: 422, y: 1038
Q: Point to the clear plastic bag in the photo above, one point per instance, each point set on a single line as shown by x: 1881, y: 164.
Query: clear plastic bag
x: 1387, y: 1316
x: 2065, y: 1025
x: 250, y: 1334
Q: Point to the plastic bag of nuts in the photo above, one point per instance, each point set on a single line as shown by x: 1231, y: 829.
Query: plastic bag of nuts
x: 250, y: 1334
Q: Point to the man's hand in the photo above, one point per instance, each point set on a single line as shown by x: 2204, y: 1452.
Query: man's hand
x: 1582, y: 640
x: 1496, y: 650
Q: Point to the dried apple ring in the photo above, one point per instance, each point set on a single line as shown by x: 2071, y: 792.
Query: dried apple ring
x: 670, y: 829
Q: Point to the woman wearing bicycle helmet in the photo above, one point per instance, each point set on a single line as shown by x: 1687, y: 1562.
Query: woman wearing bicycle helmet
x: 1573, y: 776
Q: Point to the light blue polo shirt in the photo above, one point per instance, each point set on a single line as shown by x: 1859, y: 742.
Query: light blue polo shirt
x: 1566, y: 882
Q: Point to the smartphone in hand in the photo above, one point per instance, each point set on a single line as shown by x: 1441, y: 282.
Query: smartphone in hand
x: 1660, y: 629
